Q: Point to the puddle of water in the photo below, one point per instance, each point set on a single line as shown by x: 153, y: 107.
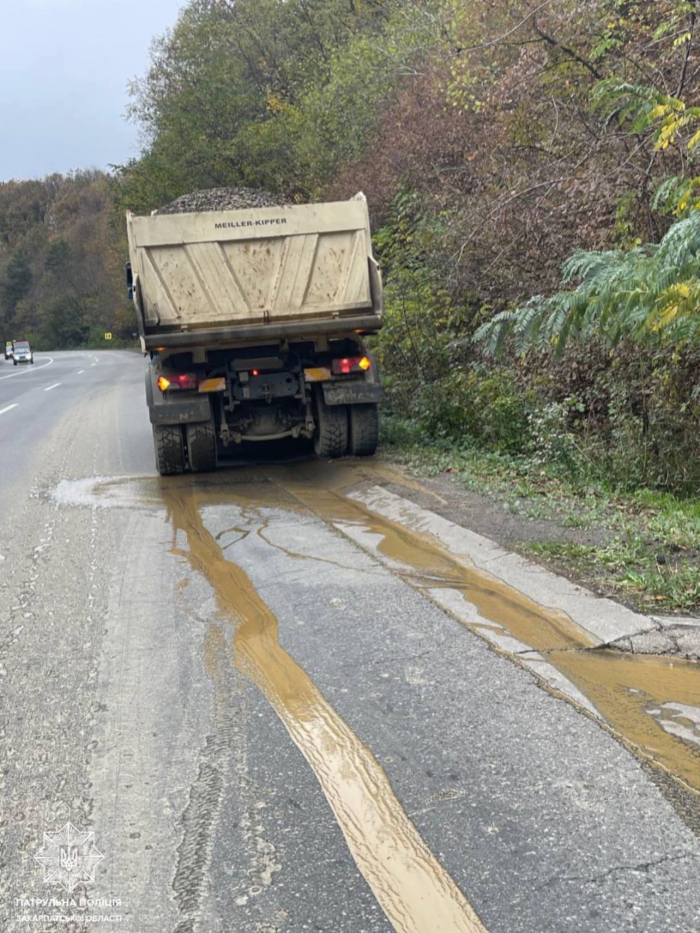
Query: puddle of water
x: 624, y: 688
x: 627, y: 689
x: 107, y: 492
x: 679, y: 719
x: 146, y: 492
x: 412, y: 887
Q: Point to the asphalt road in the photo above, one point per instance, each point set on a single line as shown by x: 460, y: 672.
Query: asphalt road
x: 266, y: 727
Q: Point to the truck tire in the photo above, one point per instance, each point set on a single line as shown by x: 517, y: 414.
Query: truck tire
x: 364, y: 430
x: 331, y: 434
x: 201, y: 447
x: 170, y: 449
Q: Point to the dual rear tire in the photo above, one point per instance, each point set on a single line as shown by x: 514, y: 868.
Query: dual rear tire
x: 343, y: 430
x: 175, y: 447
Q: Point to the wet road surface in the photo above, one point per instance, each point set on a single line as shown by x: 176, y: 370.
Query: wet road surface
x: 262, y: 698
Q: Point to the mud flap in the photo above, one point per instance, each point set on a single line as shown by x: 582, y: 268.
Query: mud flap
x: 351, y: 393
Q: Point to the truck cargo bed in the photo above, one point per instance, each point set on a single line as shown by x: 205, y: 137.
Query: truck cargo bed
x: 254, y: 274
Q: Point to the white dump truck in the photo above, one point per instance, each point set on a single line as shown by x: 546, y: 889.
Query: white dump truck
x: 254, y: 321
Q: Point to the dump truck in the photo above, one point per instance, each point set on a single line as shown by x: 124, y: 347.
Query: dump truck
x: 255, y: 321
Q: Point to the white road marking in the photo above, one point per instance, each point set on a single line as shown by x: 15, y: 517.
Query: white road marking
x: 54, y: 386
x: 80, y: 372
x: 30, y: 369
x: 9, y: 408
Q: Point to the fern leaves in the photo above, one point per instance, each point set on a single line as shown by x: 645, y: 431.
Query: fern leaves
x: 645, y: 294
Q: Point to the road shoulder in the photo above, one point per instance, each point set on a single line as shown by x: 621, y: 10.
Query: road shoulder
x: 465, y: 522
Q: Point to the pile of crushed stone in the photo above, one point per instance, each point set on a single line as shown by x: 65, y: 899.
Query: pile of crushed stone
x: 221, y: 199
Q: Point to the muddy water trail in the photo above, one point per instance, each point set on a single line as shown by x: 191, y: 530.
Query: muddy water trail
x: 414, y: 890
x: 651, y: 703
x: 644, y: 699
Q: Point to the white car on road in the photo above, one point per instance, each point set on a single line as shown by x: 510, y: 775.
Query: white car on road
x: 22, y: 352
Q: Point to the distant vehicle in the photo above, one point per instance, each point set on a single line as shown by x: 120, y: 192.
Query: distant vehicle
x: 22, y: 352
x: 8, y: 350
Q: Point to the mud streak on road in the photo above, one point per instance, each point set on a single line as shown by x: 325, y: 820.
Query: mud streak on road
x: 414, y: 890
x: 638, y: 696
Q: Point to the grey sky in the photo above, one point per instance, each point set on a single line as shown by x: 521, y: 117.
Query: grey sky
x: 64, y: 67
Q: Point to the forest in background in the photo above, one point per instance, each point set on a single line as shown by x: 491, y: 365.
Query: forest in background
x: 62, y: 262
x: 498, y: 143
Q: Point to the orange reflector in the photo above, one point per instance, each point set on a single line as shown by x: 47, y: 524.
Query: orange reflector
x: 218, y: 384
x: 317, y: 374
x: 365, y: 363
x: 163, y: 383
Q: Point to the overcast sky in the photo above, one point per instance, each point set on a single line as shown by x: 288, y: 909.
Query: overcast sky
x: 64, y: 67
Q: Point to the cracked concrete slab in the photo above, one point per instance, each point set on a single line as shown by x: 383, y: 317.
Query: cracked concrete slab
x: 683, y: 641
x: 689, y: 622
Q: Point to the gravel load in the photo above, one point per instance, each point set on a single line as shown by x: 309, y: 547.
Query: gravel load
x: 221, y: 199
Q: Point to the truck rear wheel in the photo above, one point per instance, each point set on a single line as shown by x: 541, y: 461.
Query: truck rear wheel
x: 201, y: 447
x: 331, y: 434
x: 364, y: 430
x: 170, y: 449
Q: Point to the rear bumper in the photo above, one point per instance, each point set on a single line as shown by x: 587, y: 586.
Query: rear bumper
x: 266, y: 333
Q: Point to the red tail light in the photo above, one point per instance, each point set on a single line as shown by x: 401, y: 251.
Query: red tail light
x: 179, y: 381
x: 351, y: 364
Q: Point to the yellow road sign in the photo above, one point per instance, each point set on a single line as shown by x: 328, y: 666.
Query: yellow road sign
x: 108, y: 336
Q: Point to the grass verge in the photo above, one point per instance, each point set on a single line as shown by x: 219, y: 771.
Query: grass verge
x: 651, y: 556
